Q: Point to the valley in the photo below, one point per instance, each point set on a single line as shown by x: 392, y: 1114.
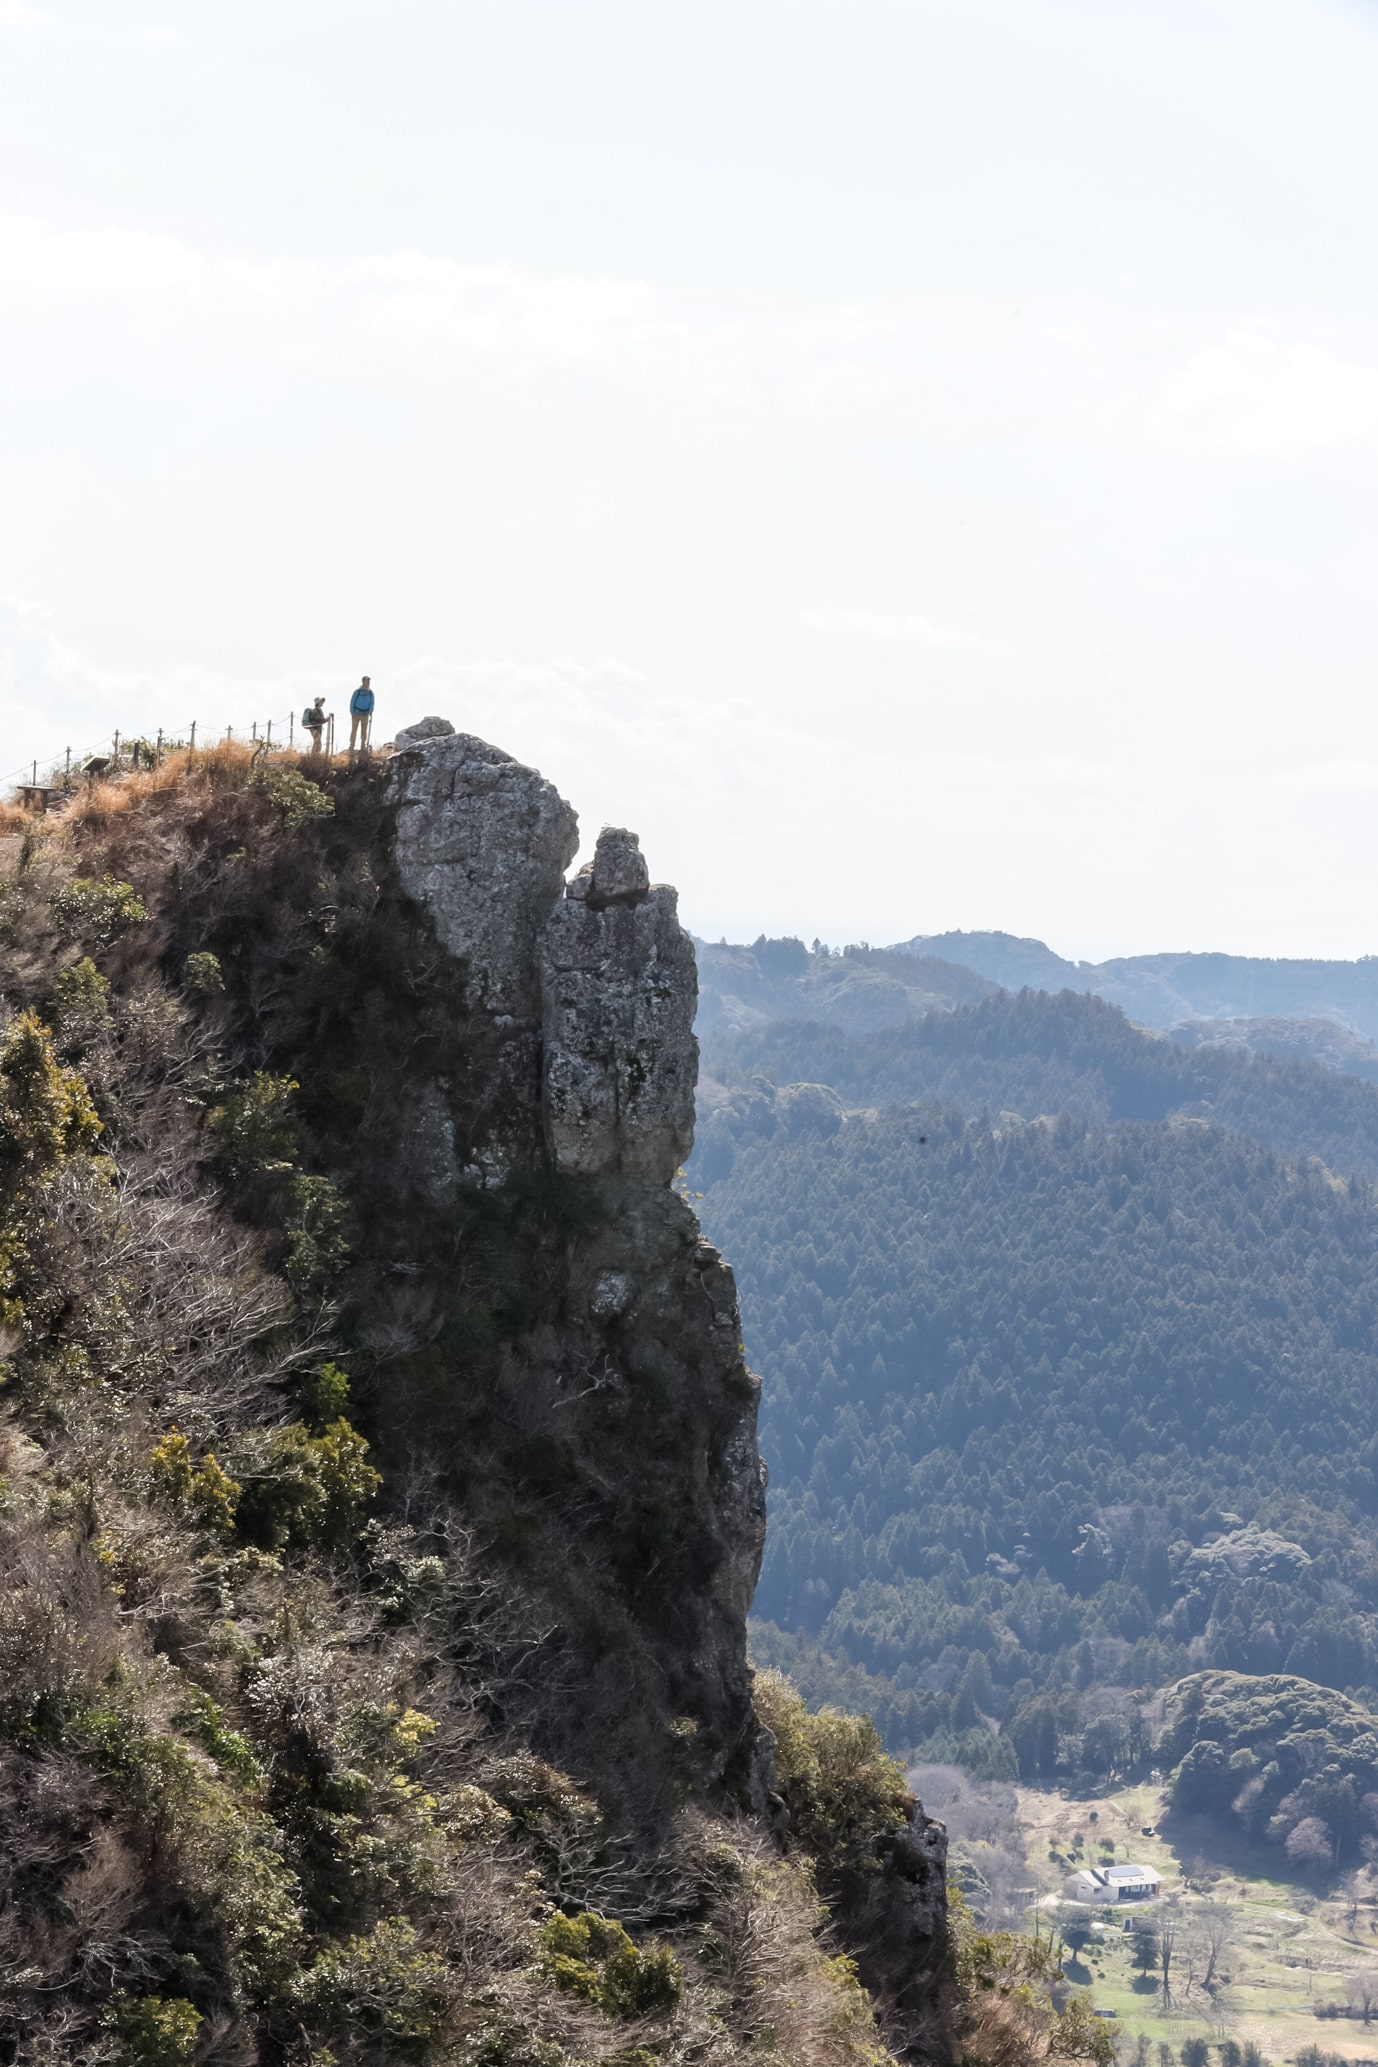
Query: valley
x: 1294, y: 1959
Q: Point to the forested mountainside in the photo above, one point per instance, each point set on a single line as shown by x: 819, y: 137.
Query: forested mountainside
x: 1315, y: 1040
x: 1162, y: 989
x: 1035, y: 1054
x: 859, y: 987
x: 862, y: 989
x: 379, y: 1499
x: 1062, y: 1406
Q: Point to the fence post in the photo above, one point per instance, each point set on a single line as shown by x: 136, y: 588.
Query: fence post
x: 291, y: 728
x: 158, y: 750
x: 268, y: 735
x: 192, y: 748
x: 330, y: 736
x: 115, y: 754
x: 67, y: 773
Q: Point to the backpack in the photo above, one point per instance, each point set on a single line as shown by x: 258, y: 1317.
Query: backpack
x: 313, y: 719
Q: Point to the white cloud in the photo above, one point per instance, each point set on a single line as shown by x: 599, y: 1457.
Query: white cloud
x: 321, y: 311
x: 901, y: 628
x: 1263, y: 396
x: 15, y: 16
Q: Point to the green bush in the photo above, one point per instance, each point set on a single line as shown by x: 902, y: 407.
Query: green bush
x: 592, y: 1956
x: 204, y: 1490
x: 97, y: 912
x: 204, y: 974
x: 221, y: 1857
x: 46, y: 1117
x: 202, y: 1718
x: 385, y: 1984
x: 81, y: 1003
x: 253, y: 1132
x: 294, y: 796
x: 303, y: 1491
x: 316, y: 1248
x: 156, y: 2032
x: 842, y: 1789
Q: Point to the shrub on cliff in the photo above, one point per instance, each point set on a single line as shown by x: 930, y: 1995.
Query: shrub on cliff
x: 841, y: 1787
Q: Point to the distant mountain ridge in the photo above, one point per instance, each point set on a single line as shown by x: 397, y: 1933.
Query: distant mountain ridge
x: 1161, y: 990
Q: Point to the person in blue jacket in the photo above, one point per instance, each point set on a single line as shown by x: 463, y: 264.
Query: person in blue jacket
x: 360, y: 715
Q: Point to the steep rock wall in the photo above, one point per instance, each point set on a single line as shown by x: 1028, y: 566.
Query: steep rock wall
x: 579, y: 1059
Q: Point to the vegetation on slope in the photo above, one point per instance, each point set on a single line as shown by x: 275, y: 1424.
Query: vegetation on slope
x: 277, y: 1682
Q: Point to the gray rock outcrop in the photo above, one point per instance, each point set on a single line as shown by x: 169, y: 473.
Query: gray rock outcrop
x: 423, y: 730
x: 586, y: 992
x: 572, y: 1055
x: 618, y: 988
x: 483, y: 843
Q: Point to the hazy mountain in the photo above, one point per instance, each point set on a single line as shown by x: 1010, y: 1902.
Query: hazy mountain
x: 1160, y: 990
x: 1316, y: 1040
x: 859, y: 987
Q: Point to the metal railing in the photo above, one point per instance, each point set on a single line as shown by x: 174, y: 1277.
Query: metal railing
x: 119, y: 752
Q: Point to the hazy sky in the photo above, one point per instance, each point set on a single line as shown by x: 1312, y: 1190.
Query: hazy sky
x: 916, y: 461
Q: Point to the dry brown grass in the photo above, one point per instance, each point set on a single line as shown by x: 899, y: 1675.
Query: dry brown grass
x: 141, y: 825
x: 197, y: 774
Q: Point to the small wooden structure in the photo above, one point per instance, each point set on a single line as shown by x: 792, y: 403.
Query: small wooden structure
x: 36, y: 796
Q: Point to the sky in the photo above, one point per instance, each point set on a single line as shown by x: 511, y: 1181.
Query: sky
x: 914, y: 461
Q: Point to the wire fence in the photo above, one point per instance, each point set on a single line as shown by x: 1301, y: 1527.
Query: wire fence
x: 45, y: 776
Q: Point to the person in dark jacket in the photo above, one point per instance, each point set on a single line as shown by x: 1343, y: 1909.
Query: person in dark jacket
x: 313, y: 719
x: 360, y: 715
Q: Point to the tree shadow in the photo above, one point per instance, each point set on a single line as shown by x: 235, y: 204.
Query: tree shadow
x: 1078, y: 1971
x: 1144, y: 1984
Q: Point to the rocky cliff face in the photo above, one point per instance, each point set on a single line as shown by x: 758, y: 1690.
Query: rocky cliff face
x: 580, y: 1058
x: 581, y: 997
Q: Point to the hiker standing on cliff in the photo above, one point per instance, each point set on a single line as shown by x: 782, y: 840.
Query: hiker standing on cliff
x: 361, y: 715
x: 313, y: 719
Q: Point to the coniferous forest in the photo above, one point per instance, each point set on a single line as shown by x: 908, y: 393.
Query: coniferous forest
x: 1068, y: 1337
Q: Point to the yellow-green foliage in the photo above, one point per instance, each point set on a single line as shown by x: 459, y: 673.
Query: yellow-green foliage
x: 203, y: 1718
x: 46, y: 1117
x: 843, y: 1790
x: 253, y: 1131
x: 218, y: 1853
x: 156, y: 2031
x: 97, y: 912
x: 204, y: 1490
x: 383, y: 1983
x: 81, y: 1004
x: 303, y: 1491
x: 46, y: 1112
x: 592, y: 1956
x: 294, y: 796
x: 473, y: 1814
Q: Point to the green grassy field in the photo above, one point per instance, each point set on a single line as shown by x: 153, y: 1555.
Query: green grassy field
x: 1290, y: 1951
